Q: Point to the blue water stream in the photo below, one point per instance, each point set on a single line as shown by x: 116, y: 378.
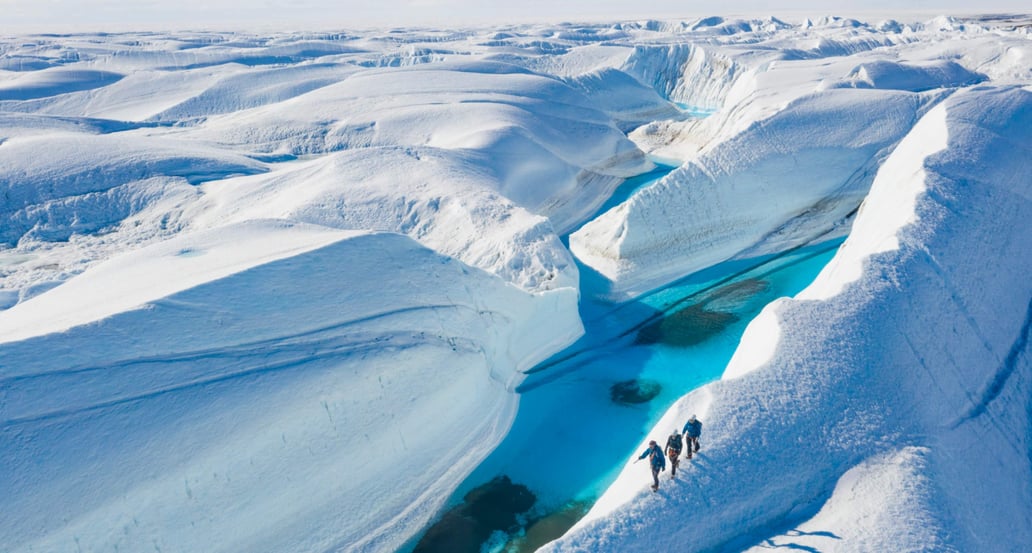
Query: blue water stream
x: 570, y: 437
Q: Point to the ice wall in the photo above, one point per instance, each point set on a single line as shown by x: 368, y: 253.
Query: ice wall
x: 887, y: 406
x: 783, y: 182
x: 786, y: 158
x: 261, y: 387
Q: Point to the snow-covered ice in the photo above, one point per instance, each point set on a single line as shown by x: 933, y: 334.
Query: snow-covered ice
x: 276, y: 292
x: 180, y: 412
x: 886, y: 406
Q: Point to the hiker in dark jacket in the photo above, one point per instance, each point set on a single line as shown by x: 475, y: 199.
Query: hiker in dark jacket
x: 656, y: 461
x: 692, y: 431
x: 673, y: 451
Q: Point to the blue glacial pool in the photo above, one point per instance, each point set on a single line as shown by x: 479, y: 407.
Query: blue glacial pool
x: 583, y: 413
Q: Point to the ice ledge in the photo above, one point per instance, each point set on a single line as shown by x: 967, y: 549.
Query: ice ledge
x: 883, y: 368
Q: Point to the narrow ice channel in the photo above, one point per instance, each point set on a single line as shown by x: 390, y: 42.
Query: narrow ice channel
x: 584, y: 411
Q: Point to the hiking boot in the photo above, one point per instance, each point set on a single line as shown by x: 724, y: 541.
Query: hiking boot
x: 654, y: 488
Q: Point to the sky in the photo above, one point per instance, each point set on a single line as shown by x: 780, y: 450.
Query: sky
x: 58, y: 15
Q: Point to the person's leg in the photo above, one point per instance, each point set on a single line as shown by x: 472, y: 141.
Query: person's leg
x: 696, y: 442
x: 673, y: 463
x: 655, y: 478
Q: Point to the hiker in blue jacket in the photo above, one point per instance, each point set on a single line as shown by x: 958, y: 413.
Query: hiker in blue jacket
x: 692, y: 431
x: 656, y: 461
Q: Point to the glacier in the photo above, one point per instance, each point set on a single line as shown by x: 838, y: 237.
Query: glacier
x: 278, y: 291
x: 826, y: 432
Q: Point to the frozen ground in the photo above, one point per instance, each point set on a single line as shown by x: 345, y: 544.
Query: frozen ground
x: 270, y: 292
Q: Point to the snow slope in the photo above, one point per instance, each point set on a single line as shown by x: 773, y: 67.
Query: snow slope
x: 887, y: 406
x: 527, y: 129
x: 248, y: 374
x: 780, y: 183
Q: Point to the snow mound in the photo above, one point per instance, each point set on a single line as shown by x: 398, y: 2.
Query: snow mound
x: 623, y: 97
x: 745, y: 197
x: 401, y: 190
x: 86, y: 182
x: 528, y: 129
x: 164, y: 269
x: 253, y: 386
x: 51, y: 82
x: 853, y: 430
x: 886, y: 74
x: 238, y: 91
x: 527, y: 156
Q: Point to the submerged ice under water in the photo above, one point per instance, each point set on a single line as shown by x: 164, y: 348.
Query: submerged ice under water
x: 583, y: 412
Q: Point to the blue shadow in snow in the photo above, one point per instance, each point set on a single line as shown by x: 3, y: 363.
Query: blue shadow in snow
x: 61, y: 83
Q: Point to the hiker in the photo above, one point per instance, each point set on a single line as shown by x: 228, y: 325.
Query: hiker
x: 656, y: 461
x: 692, y: 431
x: 673, y: 451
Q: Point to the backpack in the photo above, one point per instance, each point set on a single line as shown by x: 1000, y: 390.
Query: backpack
x: 674, y: 442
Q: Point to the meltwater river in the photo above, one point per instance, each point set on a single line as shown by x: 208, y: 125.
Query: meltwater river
x: 584, y: 412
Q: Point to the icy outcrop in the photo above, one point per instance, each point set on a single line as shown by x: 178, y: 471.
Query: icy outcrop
x: 793, y: 145
x: 629, y: 102
x: 889, y: 75
x: 526, y: 157
x: 550, y: 150
x: 249, y: 374
x: 55, y: 184
x: 783, y: 182
x: 401, y: 190
x: 686, y: 73
x: 846, y: 421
